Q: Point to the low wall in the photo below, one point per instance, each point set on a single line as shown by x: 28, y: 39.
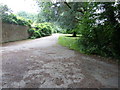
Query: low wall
x: 0, y: 32
x: 11, y: 32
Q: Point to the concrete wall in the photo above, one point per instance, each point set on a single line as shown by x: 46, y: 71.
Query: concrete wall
x: 11, y: 32
x: 0, y: 32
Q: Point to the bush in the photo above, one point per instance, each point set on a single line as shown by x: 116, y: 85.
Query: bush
x: 101, y: 39
x: 13, y: 19
x: 40, y: 30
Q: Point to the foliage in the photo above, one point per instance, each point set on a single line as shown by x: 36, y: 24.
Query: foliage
x: 13, y: 19
x: 56, y: 28
x: 46, y: 13
x: 26, y: 15
x: 40, y: 30
x: 97, y: 22
x: 8, y: 17
x: 60, y: 13
x: 4, y: 10
x: 100, y: 30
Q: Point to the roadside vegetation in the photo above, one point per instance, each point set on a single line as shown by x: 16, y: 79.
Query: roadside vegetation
x: 68, y: 41
x: 36, y: 30
x: 40, y: 30
x: 98, y: 23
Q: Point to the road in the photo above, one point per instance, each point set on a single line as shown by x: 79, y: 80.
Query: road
x: 42, y: 63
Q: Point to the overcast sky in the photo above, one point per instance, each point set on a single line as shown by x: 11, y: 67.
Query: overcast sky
x: 21, y: 5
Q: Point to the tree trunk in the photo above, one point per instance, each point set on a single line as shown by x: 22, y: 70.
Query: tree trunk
x: 74, y: 34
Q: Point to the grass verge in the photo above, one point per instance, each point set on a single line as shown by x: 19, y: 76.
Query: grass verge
x: 70, y: 42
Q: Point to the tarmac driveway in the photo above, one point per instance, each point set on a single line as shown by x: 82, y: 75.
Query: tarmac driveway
x: 42, y: 63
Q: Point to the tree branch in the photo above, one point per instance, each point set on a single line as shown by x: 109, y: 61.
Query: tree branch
x: 71, y: 8
x: 68, y: 5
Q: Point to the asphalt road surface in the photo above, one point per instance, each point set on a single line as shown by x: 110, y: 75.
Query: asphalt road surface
x: 42, y: 63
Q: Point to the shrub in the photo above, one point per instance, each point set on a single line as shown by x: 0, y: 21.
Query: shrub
x: 22, y: 21
x: 40, y: 30
x: 13, y: 19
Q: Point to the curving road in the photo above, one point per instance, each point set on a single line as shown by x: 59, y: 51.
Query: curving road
x: 42, y: 63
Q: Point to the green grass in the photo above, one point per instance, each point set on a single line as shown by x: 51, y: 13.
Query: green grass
x: 70, y: 42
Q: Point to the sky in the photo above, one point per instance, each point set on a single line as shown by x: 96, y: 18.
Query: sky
x: 21, y: 5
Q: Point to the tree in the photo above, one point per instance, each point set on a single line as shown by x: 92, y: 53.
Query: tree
x: 100, y: 30
x: 46, y: 13
x: 4, y: 11
x: 65, y: 14
x: 27, y: 15
x: 97, y: 22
